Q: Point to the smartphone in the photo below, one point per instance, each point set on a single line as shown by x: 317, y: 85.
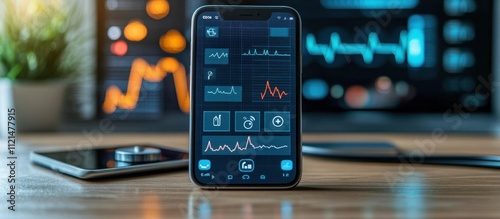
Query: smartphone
x: 111, y: 161
x: 245, y: 129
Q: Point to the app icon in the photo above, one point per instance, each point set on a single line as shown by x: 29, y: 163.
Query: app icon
x: 204, y: 164
x: 216, y: 121
x: 229, y: 177
x: 211, y: 32
x: 245, y: 176
x: 286, y: 165
x: 247, y: 121
x: 246, y: 165
x: 276, y: 121
x: 210, y: 74
x: 263, y: 177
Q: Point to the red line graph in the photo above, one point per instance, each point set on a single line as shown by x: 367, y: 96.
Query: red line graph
x: 238, y: 147
x: 273, y: 92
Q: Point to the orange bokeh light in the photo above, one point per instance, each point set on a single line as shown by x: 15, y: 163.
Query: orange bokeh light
x: 157, y: 9
x: 135, y: 31
x: 356, y: 97
x: 173, y: 42
x: 119, y: 48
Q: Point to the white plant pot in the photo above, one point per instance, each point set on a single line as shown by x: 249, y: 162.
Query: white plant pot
x: 39, y: 105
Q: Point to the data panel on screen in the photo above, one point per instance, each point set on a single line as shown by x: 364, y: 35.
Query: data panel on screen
x: 256, y: 74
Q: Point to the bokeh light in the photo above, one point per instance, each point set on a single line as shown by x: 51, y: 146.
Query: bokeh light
x: 383, y: 84
x: 337, y: 91
x: 135, y: 31
x: 356, y: 97
x: 173, y: 42
x: 112, y: 5
x: 402, y: 88
x: 114, y: 33
x: 119, y: 48
x: 157, y: 9
x: 315, y: 89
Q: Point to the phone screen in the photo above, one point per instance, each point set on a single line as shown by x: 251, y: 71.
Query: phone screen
x: 246, y: 97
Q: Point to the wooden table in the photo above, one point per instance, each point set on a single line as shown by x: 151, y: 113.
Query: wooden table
x: 329, y: 189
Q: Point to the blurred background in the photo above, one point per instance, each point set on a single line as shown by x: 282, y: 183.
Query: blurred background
x: 368, y: 65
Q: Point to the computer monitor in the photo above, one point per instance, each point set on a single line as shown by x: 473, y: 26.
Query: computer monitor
x: 369, y: 65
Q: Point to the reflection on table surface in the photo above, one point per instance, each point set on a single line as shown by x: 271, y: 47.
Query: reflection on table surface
x: 329, y: 189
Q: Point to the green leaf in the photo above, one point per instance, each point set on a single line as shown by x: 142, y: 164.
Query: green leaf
x: 14, y: 72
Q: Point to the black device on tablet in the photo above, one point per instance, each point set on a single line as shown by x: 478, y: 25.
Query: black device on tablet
x: 100, y: 162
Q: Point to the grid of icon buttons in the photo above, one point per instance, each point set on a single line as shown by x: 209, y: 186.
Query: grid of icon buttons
x: 246, y: 121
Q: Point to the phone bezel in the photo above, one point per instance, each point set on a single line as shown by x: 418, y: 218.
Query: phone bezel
x: 38, y: 157
x: 222, y: 9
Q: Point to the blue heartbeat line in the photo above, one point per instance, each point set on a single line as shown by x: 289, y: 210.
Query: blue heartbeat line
x: 213, y: 55
x: 217, y: 91
x: 367, y: 51
x: 265, y: 52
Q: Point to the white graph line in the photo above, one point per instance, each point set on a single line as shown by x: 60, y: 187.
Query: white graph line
x: 238, y: 147
x: 219, y: 56
x: 265, y: 52
x: 217, y: 91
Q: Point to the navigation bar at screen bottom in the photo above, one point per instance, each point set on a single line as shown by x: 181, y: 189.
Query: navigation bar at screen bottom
x: 245, y: 145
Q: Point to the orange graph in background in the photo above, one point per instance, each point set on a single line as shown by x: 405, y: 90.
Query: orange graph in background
x: 272, y: 92
x: 142, y: 70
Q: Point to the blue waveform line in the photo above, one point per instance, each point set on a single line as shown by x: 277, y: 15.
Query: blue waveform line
x: 411, y: 44
x: 217, y: 55
x: 265, y: 52
x: 369, y: 4
x: 367, y: 51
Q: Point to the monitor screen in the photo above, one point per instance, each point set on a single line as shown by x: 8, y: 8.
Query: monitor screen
x: 396, y: 56
x: 411, y: 56
x: 143, y: 59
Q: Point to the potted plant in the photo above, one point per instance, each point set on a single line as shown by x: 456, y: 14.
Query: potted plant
x: 41, y: 52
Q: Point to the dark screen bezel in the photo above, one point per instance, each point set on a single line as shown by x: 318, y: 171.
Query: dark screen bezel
x: 235, y: 10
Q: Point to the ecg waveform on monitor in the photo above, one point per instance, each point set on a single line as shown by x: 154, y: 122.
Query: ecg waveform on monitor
x: 238, y: 147
x: 272, y: 92
x: 410, y: 48
x: 367, y: 51
x: 220, y: 91
x: 219, y: 55
x: 265, y: 52
x: 142, y: 70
